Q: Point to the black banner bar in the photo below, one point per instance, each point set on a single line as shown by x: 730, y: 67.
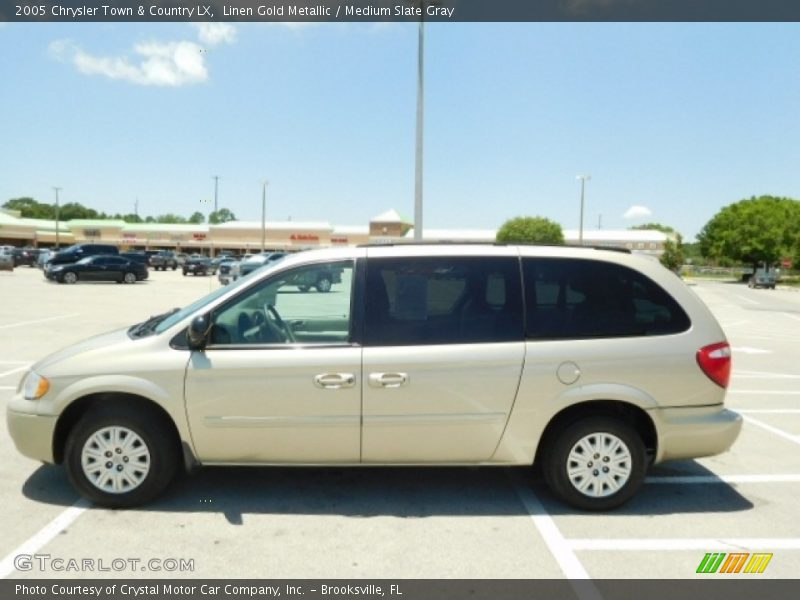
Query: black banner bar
x: 399, y: 10
x: 710, y: 587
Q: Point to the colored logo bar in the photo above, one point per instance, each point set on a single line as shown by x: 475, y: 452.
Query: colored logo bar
x: 734, y: 562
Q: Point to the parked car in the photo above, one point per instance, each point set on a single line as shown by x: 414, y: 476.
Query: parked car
x: 98, y: 268
x: 593, y: 363
x: 44, y: 258
x: 181, y: 258
x: 764, y: 277
x: 25, y: 257
x: 163, y: 260
x: 256, y: 261
x: 6, y: 259
x: 322, y: 280
x: 215, y: 262
x: 228, y: 271
x: 197, y: 265
x: 80, y: 251
x: 139, y: 257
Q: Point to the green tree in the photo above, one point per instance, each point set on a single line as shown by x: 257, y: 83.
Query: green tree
x: 170, y: 218
x: 654, y: 227
x: 30, y: 208
x: 197, y: 218
x: 74, y: 210
x: 530, y: 230
x: 752, y: 230
x: 672, y: 257
x: 223, y: 215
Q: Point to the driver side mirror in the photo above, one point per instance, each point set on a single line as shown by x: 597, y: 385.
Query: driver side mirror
x: 197, y: 334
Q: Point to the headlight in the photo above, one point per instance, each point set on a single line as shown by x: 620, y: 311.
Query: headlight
x: 55, y: 267
x: 35, y: 386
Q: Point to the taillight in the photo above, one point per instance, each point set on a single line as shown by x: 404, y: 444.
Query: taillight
x: 715, y: 361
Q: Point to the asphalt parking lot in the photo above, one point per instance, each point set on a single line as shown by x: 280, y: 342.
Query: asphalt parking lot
x: 408, y: 523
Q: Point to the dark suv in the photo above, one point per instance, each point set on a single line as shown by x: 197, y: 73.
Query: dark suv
x: 197, y: 265
x: 164, y: 260
x: 75, y: 253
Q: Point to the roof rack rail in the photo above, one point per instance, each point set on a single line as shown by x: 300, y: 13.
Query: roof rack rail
x: 476, y: 243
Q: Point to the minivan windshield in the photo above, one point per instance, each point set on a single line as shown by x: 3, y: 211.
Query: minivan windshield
x: 176, y: 317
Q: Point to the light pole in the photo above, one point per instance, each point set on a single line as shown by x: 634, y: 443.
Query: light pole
x: 584, y: 179
x: 216, y: 191
x: 420, y: 116
x: 264, y: 215
x: 58, y: 239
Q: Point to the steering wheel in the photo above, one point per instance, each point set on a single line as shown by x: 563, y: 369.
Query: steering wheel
x: 271, y: 311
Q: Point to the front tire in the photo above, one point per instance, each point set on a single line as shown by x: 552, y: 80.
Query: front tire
x: 129, y: 278
x: 596, y: 463
x: 119, y: 457
x: 70, y: 277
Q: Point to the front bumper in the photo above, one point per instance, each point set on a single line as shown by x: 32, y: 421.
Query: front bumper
x: 695, y: 431
x: 32, y: 434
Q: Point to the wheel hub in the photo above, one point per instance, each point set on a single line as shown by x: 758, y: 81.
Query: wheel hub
x: 115, y: 459
x: 599, y: 465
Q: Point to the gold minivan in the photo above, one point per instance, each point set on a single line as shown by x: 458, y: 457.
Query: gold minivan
x: 594, y: 363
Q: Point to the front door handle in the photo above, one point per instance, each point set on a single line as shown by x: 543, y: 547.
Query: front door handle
x: 388, y: 380
x: 334, y: 381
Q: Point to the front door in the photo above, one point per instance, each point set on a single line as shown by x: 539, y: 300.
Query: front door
x: 280, y: 379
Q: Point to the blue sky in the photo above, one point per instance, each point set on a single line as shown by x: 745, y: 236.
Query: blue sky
x: 676, y: 119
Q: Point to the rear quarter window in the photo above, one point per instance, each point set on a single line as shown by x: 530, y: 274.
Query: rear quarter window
x: 578, y: 298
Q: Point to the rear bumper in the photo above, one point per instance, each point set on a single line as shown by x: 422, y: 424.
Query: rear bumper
x: 694, y: 431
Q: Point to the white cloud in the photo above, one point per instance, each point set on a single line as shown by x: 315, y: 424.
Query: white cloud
x: 637, y: 212
x: 156, y: 63
x: 213, y: 34
x: 167, y: 64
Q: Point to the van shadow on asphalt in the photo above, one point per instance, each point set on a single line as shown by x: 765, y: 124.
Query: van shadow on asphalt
x: 411, y: 492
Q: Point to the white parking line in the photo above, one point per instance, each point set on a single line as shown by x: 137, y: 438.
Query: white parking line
x: 44, y: 536
x: 734, y: 323
x: 659, y: 544
x: 556, y: 543
x: 763, y: 375
x: 767, y: 411
x: 771, y: 429
x: 791, y: 316
x: 749, y: 350
x: 21, y: 323
x: 12, y: 371
x: 684, y: 479
x: 7, y: 387
x: 767, y: 392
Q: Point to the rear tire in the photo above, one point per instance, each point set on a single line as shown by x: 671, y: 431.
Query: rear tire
x: 129, y: 278
x: 323, y: 284
x: 120, y: 456
x: 596, y: 463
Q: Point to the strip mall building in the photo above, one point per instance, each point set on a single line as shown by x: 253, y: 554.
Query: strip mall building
x: 246, y: 236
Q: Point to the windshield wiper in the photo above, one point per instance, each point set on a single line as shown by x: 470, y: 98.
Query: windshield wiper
x: 145, y: 327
